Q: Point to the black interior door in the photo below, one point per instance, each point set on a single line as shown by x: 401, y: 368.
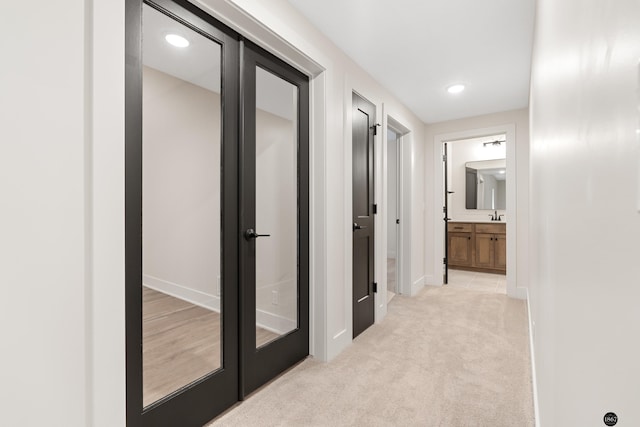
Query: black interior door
x: 363, y: 129
x: 216, y: 215
x: 274, y: 248
x: 181, y: 214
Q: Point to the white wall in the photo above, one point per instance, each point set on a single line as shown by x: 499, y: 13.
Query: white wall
x: 520, y: 119
x: 584, y: 211
x: 276, y: 214
x: 181, y: 188
x: 61, y: 180
x: 340, y: 76
x: 44, y: 213
x: 62, y: 209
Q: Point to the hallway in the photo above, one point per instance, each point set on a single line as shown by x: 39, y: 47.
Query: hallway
x: 450, y: 356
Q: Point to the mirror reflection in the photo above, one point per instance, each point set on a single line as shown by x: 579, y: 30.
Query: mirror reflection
x: 476, y: 176
x: 486, y: 184
x: 276, y: 207
x: 181, y: 206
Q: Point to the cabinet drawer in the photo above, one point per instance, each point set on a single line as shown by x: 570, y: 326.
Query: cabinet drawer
x: 459, y: 227
x: 491, y: 228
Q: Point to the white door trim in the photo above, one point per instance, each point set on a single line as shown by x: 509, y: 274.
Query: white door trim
x: 512, y: 215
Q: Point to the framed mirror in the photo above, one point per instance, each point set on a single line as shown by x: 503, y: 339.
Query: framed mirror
x: 485, y: 184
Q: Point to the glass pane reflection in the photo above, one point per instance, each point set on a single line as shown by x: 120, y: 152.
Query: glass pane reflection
x: 181, y: 207
x: 276, y: 207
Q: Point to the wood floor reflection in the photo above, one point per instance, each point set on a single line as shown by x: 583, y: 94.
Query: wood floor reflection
x: 181, y: 343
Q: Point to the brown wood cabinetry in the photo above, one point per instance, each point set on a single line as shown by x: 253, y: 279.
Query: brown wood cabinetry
x: 478, y: 247
x: 460, y: 251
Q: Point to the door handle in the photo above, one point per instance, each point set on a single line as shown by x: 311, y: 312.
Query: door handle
x: 358, y: 227
x: 251, y: 234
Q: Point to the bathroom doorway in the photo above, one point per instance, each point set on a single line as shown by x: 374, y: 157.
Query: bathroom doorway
x: 478, y: 234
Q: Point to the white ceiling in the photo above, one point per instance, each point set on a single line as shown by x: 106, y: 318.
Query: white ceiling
x: 199, y: 63
x: 417, y: 48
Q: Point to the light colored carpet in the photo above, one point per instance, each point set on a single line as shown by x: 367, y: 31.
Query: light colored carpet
x: 449, y: 357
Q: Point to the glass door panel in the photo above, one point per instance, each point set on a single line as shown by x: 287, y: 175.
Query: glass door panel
x: 181, y: 308
x: 276, y: 207
x: 274, y: 253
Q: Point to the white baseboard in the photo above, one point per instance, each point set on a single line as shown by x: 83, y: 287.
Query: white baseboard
x: 340, y: 341
x: 417, y: 286
x: 269, y: 321
x: 202, y: 299
x: 274, y: 323
x: 532, y: 352
x: 430, y: 281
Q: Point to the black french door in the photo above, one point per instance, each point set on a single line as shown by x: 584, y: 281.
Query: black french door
x: 216, y: 154
x: 274, y: 253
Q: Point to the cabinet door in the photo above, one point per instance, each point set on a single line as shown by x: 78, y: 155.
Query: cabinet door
x: 460, y: 249
x: 500, y: 251
x: 484, y: 250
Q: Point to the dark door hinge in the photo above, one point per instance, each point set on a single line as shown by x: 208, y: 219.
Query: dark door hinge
x: 375, y: 208
x: 375, y: 287
x: 444, y: 260
x: 375, y: 129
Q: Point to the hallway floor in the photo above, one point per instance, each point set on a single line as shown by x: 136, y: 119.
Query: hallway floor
x: 450, y: 356
x: 486, y: 282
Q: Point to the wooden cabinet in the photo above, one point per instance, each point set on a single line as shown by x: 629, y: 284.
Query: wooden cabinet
x: 484, y: 251
x: 500, y: 251
x: 460, y: 250
x: 478, y: 247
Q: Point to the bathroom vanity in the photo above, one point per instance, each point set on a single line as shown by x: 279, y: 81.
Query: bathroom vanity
x: 478, y: 246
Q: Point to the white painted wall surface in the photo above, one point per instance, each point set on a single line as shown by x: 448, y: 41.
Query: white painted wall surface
x: 61, y: 180
x: 43, y: 309
x: 62, y: 170
x: 520, y: 118
x: 584, y: 289
x: 276, y: 214
x: 341, y: 76
x: 181, y: 188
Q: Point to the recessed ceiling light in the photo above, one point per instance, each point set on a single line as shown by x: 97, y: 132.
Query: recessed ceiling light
x: 176, y: 40
x: 457, y: 88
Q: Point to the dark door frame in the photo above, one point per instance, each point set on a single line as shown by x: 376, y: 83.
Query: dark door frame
x: 445, y: 164
x: 363, y: 308
x: 192, y: 404
x: 259, y: 365
x: 202, y: 400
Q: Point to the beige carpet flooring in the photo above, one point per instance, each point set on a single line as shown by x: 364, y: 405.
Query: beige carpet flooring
x: 449, y: 357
